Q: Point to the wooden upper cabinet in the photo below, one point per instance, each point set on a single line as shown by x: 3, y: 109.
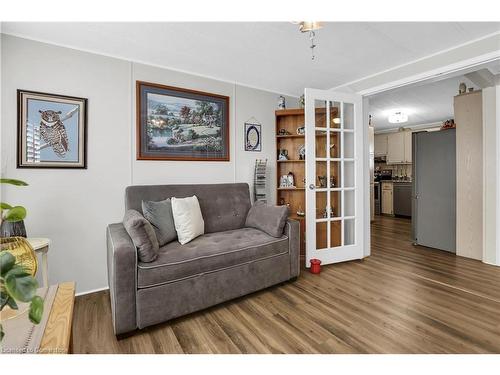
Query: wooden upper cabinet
x: 395, y: 148
x: 408, y: 141
x: 380, y: 145
x: 399, y: 148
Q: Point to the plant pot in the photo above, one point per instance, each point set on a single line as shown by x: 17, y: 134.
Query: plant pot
x: 16, y: 229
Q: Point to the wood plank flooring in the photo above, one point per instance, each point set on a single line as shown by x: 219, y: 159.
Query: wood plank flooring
x: 401, y: 299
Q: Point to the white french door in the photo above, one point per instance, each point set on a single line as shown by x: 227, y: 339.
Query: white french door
x: 334, y: 176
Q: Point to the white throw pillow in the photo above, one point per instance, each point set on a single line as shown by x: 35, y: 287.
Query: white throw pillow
x: 188, y: 220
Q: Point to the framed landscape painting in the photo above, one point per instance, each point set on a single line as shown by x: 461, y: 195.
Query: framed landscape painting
x: 180, y: 124
x: 51, y: 130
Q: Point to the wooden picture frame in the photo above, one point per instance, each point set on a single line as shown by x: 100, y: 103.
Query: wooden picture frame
x: 51, y: 130
x: 173, y: 123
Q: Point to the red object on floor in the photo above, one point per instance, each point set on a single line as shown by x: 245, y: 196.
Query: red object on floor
x: 315, y: 266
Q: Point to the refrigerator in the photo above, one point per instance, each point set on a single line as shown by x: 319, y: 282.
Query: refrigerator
x: 434, y: 189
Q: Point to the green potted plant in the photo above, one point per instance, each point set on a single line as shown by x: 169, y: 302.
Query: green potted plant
x: 16, y: 285
x: 11, y: 217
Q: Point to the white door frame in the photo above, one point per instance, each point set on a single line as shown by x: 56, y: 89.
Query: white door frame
x: 441, y: 72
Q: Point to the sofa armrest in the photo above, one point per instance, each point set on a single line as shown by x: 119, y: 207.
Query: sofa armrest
x: 122, y: 271
x: 292, y: 231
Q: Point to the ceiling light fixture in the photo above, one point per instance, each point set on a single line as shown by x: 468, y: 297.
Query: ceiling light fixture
x: 310, y: 27
x: 398, y: 117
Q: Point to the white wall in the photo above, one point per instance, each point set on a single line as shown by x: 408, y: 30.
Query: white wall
x: 72, y: 207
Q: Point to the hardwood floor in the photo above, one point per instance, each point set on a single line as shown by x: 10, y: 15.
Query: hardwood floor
x: 402, y: 299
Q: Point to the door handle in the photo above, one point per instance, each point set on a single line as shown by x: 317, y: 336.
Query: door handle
x: 312, y: 186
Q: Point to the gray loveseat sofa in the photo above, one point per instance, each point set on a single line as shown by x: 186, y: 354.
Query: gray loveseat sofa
x: 229, y: 261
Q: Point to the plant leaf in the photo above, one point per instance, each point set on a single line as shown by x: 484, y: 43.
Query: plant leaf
x: 21, y: 287
x: 3, y: 299
x: 5, y: 206
x: 1, y: 333
x: 12, y: 181
x: 36, y: 309
x: 12, y: 303
x: 7, y: 261
x: 16, y: 213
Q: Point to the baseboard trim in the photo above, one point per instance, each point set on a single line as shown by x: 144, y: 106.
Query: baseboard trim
x: 91, y: 291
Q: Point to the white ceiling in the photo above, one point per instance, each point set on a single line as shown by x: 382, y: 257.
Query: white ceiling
x: 426, y: 102
x: 273, y: 56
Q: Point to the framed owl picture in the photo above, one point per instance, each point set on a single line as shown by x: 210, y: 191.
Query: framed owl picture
x: 51, y: 130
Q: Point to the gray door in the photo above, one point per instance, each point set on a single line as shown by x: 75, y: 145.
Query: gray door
x: 434, y: 189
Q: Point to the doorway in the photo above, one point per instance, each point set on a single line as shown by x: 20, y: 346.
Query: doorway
x: 422, y: 170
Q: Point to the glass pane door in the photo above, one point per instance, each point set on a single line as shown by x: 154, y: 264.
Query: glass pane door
x: 333, y: 175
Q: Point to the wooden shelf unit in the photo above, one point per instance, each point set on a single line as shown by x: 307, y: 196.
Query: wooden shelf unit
x: 290, y: 120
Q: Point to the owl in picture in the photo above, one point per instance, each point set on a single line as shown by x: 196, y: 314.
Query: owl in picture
x: 53, y: 132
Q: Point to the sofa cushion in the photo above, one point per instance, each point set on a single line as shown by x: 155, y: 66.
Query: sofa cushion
x: 208, y: 253
x: 270, y: 219
x: 188, y: 220
x: 223, y: 206
x: 142, y: 234
x: 159, y: 214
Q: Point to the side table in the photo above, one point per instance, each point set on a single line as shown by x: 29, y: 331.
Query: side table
x: 41, y: 245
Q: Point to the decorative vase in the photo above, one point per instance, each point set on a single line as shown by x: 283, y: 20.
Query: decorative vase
x: 12, y: 229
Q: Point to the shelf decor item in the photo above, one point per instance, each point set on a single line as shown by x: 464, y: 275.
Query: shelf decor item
x: 301, y: 130
x: 281, y: 102
x: 462, y: 88
x: 283, y: 154
x: 302, y: 152
x: 51, y: 130
x: 180, y: 124
x: 253, y: 136
x: 322, y: 181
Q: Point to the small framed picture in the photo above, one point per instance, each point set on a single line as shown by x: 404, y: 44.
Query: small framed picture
x: 51, y: 130
x: 253, y: 137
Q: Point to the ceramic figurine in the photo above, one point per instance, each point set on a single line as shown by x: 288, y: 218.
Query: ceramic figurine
x: 281, y: 103
x: 291, y: 179
x: 301, y: 130
x: 302, y: 101
x: 322, y: 181
x: 302, y: 152
x: 283, y: 154
x: 462, y: 88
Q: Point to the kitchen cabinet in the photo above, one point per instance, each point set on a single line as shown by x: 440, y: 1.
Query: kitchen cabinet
x: 387, y: 198
x: 396, y: 148
x: 402, y: 198
x: 407, y: 158
x: 399, y: 148
x: 380, y: 144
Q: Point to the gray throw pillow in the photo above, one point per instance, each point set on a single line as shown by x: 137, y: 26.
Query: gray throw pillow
x: 142, y: 234
x: 159, y: 214
x: 269, y: 219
